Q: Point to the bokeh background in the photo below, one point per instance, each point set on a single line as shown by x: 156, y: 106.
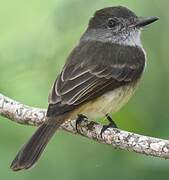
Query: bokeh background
x: 36, y: 36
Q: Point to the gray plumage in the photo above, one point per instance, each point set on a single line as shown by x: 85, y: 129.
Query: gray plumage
x: 99, y: 76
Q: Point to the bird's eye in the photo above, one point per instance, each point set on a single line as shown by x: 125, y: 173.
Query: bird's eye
x: 111, y: 23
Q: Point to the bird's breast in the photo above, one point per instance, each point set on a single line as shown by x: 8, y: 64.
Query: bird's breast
x: 109, y: 102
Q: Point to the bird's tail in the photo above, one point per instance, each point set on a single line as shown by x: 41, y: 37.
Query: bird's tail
x: 31, y: 151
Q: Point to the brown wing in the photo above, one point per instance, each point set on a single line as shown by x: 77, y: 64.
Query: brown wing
x: 91, y: 70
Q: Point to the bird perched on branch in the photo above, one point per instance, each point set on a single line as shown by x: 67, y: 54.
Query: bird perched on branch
x: 98, y: 78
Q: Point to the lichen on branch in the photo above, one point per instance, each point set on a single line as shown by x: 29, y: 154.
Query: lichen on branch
x: 116, y: 138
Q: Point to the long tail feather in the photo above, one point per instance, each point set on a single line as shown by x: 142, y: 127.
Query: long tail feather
x: 31, y: 151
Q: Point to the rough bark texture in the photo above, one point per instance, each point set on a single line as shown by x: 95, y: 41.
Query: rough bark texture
x: 116, y: 138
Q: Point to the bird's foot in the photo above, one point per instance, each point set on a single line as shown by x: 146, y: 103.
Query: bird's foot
x: 111, y: 124
x: 79, y: 120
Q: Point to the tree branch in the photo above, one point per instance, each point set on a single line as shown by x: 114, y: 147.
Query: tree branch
x: 117, y: 138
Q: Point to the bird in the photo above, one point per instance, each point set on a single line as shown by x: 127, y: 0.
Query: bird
x: 99, y: 77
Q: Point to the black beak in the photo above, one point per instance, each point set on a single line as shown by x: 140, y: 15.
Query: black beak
x: 141, y: 22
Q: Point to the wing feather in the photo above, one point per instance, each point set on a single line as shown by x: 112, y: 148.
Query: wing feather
x: 83, y: 78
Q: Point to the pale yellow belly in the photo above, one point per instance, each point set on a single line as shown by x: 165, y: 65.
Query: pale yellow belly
x: 110, y: 102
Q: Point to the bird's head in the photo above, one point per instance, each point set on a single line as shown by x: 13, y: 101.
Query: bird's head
x: 117, y: 24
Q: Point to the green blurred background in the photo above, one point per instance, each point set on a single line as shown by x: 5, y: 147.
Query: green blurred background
x: 36, y: 36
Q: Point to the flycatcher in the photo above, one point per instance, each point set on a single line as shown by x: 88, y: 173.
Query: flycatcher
x: 98, y: 78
